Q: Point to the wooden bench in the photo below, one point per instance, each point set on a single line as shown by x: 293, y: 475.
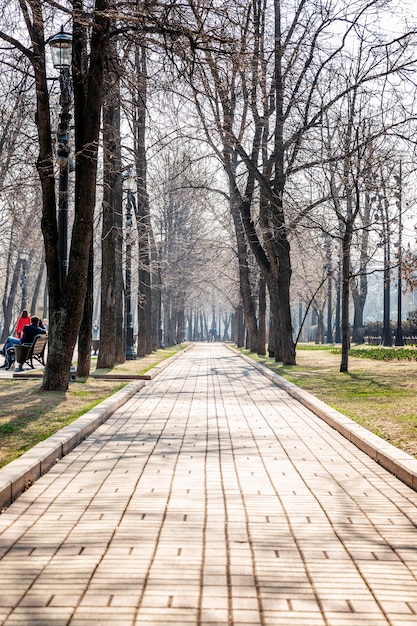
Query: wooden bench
x: 25, y: 352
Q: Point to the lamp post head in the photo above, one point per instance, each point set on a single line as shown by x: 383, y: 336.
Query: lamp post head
x: 61, y: 49
x: 129, y: 180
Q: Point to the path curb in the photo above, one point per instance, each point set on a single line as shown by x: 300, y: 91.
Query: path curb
x: 399, y: 463
x: 21, y: 473
x: 150, y: 375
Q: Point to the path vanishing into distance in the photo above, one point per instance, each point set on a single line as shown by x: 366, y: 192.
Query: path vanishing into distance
x: 211, y: 497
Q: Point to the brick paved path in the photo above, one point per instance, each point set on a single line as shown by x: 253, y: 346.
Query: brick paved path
x: 211, y: 497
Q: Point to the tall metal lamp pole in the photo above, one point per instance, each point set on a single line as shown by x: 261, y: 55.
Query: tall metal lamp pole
x: 61, y: 50
x: 399, y: 338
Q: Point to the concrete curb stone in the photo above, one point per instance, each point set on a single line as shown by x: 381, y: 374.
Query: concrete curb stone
x: 18, y: 475
x: 21, y: 473
x: 399, y: 463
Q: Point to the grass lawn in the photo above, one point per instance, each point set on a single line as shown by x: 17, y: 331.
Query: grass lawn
x: 378, y: 393
x: 29, y: 415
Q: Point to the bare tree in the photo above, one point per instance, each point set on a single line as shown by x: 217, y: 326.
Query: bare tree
x: 280, y: 69
x: 66, y: 302
x: 143, y: 221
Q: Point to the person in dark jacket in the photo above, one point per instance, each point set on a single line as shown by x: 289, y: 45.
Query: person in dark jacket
x: 28, y: 335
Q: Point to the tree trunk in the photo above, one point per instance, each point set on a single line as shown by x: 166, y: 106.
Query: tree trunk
x: 386, y: 330
x: 287, y: 345
x: 111, y: 318
x: 261, y: 349
x: 196, y: 336
x: 320, y: 327
x: 240, y: 327
x: 66, y: 304
x: 8, y: 302
x: 244, y: 278
x: 155, y: 296
x: 84, y: 336
x: 358, y: 331
x: 142, y: 213
x: 275, y: 350
x: 346, y: 242
x: 119, y: 322
x: 180, y: 326
x: 282, y: 314
x: 359, y: 287
x: 10, y: 288
x: 271, y: 334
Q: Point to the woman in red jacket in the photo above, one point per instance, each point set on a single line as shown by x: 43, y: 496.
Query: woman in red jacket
x: 21, y: 323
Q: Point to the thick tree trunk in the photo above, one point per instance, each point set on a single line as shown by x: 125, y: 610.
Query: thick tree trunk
x: 283, y: 297
x: 142, y: 213
x: 359, y: 300
x: 282, y: 261
x: 111, y: 317
x: 275, y: 347
x: 120, y: 339
x: 67, y: 305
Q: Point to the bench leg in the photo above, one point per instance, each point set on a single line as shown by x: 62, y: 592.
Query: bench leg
x: 10, y: 358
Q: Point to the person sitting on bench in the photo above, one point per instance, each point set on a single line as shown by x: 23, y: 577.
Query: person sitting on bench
x: 29, y: 333
x: 24, y: 318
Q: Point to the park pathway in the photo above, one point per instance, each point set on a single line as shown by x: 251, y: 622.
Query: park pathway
x: 211, y: 498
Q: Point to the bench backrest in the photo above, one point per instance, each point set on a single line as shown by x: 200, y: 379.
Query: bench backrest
x: 38, y: 344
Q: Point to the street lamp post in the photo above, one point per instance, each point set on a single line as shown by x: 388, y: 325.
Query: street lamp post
x: 399, y: 338
x: 61, y: 50
x: 130, y: 185
x: 386, y: 330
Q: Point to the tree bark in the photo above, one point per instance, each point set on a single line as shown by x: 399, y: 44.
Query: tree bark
x: 345, y: 300
x: 261, y: 349
x: 66, y: 303
x: 142, y: 212
x: 244, y: 277
x: 112, y: 337
x: 9, y: 293
x: 155, y: 295
x: 85, y: 334
x: 359, y: 287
